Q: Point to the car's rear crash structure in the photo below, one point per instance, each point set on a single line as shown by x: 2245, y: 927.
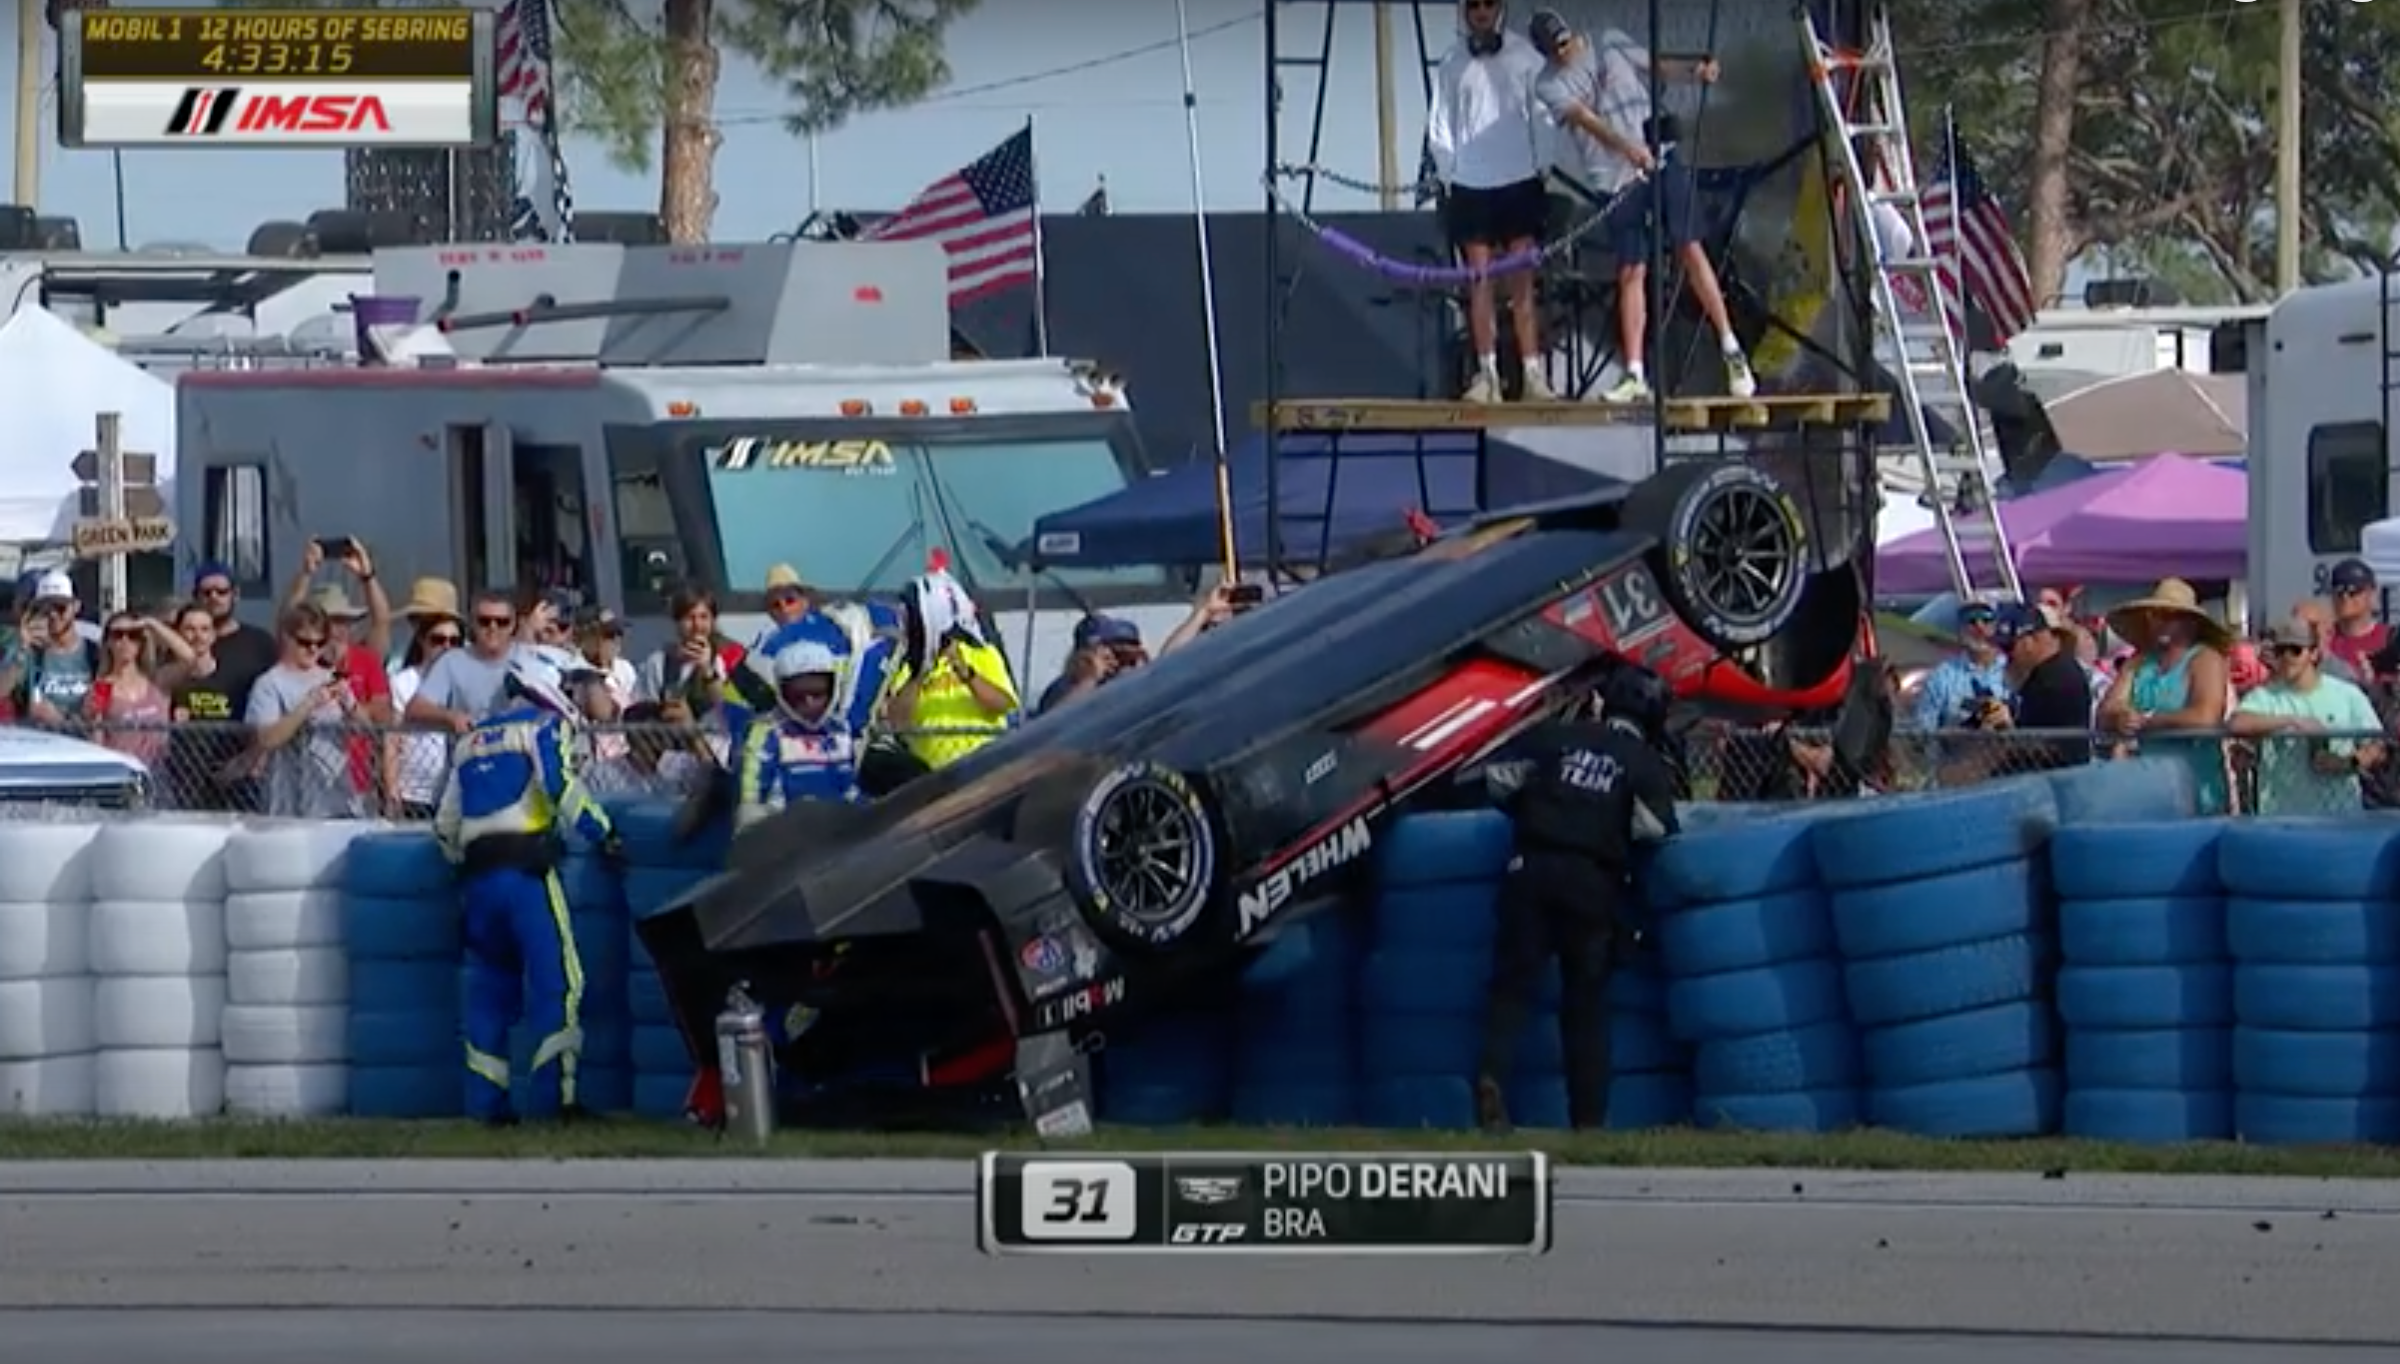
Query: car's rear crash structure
x: 983, y: 924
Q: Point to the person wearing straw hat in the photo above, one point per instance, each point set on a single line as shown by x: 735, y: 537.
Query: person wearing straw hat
x: 2173, y: 694
x: 432, y: 605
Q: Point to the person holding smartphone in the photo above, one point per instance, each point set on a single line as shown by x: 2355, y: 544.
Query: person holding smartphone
x: 297, y: 712
x: 50, y: 673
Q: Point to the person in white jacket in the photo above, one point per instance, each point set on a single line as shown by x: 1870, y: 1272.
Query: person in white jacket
x: 1488, y: 140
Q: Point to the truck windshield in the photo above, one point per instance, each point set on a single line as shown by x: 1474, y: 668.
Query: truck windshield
x: 858, y: 511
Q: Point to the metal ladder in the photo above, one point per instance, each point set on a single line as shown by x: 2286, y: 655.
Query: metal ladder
x: 1928, y: 362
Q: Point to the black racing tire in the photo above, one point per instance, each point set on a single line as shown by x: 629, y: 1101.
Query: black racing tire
x: 1142, y: 859
x: 1732, y: 552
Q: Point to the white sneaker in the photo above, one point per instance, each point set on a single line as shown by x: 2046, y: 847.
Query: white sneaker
x: 1630, y: 389
x: 1739, y: 381
x: 1483, y: 389
x: 1537, y: 388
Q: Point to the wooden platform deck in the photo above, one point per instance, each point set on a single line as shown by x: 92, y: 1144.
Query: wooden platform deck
x: 1775, y: 412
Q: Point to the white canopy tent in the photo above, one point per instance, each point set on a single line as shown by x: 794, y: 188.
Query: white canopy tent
x: 54, y: 381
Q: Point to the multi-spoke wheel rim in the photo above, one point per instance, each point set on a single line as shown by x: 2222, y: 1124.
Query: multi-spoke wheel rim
x: 1743, y: 559
x: 1149, y: 852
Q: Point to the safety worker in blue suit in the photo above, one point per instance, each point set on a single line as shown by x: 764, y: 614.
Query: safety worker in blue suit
x: 512, y: 793
x: 802, y: 750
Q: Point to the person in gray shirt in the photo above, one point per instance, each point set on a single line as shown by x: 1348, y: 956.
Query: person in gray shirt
x: 463, y: 685
x: 299, y: 708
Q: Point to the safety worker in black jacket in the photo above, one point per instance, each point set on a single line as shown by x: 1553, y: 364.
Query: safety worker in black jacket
x: 1582, y: 792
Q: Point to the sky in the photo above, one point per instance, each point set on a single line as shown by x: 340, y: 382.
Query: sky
x: 1102, y: 83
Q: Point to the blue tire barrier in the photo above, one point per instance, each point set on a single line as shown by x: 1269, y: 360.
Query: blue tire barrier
x: 646, y: 827
x: 1832, y: 1110
x: 1636, y: 1103
x: 1947, y: 980
x: 2317, y: 998
x: 2148, y: 931
x: 1953, y: 909
x: 1822, y: 1056
x: 1877, y: 842
x: 418, y: 1038
x: 605, y: 1089
x: 2310, y: 859
x: 1444, y: 848
x: 398, y: 865
x: 384, y: 986
x: 1436, y: 918
x: 1400, y: 980
x: 1745, y: 859
x: 660, y: 1096
x: 2150, y: 1060
x: 2168, y: 859
x: 2125, y: 792
x: 1167, y: 1068
x: 407, y: 1091
x: 2317, y: 1065
x: 649, y: 890
x: 417, y: 926
x: 1287, y: 1105
x: 2148, y: 1117
x: 1704, y: 938
x: 645, y: 994
x: 2023, y: 1103
x: 2145, y: 998
x: 2314, y: 932
x: 2284, y: 1120
x: 1778, y: 998
x: 656, y: 1049
x: 1960, y: 1046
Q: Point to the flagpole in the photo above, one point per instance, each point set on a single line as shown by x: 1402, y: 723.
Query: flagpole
x: 1955, y: 307
x: 1041, y: 269
x: 1226, y: 549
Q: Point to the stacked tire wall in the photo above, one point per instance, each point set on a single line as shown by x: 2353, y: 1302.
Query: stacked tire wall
x: 1755, y: 981
x: 287, y: 996
x: 658, y: 868
x: 1941, y: 906
x: 159, y: 956
x: 401, y: 930
x: 2145, y: 988
x: 47, y: 1043
x: 2313, y: 923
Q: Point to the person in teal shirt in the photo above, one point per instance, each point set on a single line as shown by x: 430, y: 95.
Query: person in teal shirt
x: 2173, y: 696
x: 2309, y: 728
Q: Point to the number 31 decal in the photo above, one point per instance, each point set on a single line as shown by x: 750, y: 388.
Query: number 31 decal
x: 1078, y: 1200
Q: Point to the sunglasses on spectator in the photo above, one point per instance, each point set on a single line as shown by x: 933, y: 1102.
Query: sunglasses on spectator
x: 309, y: 641
x: 132, y: 635
x: 213, y: 590
x: 495, y: 622
x: 785, y: 596
x: 2290, y: 650
x: 444, y: 639
x: 2352, y: 591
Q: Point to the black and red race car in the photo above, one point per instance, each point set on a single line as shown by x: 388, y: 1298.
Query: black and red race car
x: 982, y: 923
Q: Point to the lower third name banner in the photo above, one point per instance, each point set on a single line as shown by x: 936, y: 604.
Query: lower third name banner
x: 1217, y: 1202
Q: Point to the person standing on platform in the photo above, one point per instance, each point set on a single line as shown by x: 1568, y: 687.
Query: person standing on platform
x: 1485, y: 135
x: 1598, y: 91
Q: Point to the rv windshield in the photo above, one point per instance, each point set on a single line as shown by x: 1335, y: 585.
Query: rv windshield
x: 858, y: 511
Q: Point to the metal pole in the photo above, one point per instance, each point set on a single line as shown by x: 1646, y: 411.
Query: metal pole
x: 1226, y: 549
x: 1656, y: 284
x: 2287, y: 154
x: 1041, y: 269
x: 814, y: 206
x: 116, y: 165
x: 1271, y: 222
x: 109, y: 453
x: 1387, y: 114
x: 30, y: 23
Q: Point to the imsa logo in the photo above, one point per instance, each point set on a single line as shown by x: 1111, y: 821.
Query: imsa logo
x: 1339, y: 849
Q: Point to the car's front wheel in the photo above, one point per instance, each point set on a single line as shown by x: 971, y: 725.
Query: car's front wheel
x: 1144, y: 858
x: 1733, y: 549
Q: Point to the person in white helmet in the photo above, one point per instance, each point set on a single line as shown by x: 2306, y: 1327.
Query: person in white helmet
x: 511, y: 795
x: 802, y: 750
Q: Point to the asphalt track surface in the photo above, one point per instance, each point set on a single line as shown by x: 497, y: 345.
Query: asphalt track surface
x: 266, y: 1263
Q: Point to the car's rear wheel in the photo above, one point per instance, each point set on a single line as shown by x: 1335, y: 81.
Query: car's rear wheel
x: 1733, y: 550
x: 1143, y: 857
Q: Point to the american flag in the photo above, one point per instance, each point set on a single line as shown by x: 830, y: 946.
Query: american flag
x: 983, y: 216
x: 1974, y: 251
x: 545, y: 211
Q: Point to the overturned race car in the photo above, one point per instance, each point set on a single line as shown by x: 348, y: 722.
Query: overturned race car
x: 970, y: 937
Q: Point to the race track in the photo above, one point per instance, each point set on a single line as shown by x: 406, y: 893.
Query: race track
x: 875, y: 1262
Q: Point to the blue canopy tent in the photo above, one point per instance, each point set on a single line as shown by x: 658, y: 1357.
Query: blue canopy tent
x: 1331, y: 501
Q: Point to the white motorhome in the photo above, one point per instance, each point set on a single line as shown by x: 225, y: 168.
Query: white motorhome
x: 2321, y: 369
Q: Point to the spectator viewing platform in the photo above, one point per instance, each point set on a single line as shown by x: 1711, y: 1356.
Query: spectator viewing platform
x: 1766, y: 412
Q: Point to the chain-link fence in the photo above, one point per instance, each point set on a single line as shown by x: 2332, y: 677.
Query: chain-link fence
x: 332, y: 771
x: 2282, y: 774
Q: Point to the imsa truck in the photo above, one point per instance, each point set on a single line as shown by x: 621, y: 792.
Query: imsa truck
x: 623, y: 420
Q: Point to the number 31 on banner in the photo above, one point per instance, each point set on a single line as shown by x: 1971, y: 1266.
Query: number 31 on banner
x: 1078, y: 1200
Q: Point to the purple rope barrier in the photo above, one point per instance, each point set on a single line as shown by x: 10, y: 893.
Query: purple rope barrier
x: 1424, y: 276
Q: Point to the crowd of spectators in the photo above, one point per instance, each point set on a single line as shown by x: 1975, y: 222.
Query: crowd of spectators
x: 347, y: 706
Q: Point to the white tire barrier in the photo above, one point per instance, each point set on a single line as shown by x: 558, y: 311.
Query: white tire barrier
x: 46, y: 968
x: 157, y: 929
x: 288, y: 1006
x: 159, y: 1082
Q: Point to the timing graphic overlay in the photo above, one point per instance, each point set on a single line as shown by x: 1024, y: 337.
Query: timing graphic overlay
x: 1221, y: 1202
x: 277, y: 78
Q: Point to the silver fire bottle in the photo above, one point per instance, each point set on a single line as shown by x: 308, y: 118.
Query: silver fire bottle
x: 746, y: 1066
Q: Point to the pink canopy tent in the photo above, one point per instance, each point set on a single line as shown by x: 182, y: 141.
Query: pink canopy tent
x: 2165, y: 517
